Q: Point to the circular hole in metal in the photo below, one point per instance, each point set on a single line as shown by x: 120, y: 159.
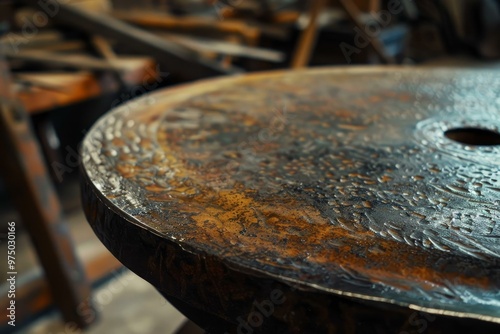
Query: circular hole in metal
x: 474, y: 136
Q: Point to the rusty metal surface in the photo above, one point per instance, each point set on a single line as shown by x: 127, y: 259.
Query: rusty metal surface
x: 341, y: 183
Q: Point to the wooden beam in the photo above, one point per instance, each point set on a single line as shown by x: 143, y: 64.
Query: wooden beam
x: 44, y: 41
x: 75, y: 61
x: 103, y: 47
x: 54, y: 90
x: 72, y: 88
x: 225, y: 48
x: 191, y: 24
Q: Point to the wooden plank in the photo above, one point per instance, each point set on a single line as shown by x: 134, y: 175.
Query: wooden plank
x: 182, y: 63
x: 274, y: 26
x: 286, y: 17
x: 65, y: 46
x: 91, y: 5
x: 76, y: 61
x: 15, y: 40
x: 103, y: 47
x: 226, y: 48
x: 74, y: 87
x: 53, y: 90
x: 44, y: 40
x: 32, y: 192
x: 191, y: 24
x: 27, y: 82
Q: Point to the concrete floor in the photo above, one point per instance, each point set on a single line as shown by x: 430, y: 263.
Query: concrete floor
x: 127, y: 305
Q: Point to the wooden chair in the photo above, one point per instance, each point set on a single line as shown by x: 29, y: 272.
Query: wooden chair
x: 34, y: 196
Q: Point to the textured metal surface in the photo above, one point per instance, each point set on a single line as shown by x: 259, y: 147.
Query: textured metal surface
x: 340, y: 182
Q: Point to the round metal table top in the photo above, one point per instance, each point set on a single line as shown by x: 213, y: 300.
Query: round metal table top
x: 373, y: 184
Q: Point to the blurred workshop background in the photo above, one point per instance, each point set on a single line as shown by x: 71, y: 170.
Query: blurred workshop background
x: 65, y: 63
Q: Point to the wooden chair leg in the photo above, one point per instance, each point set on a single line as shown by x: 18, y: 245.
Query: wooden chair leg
x: 45, y: 134
x: 29, y: 185
x: 307, y: 40
x: 354, y: 15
